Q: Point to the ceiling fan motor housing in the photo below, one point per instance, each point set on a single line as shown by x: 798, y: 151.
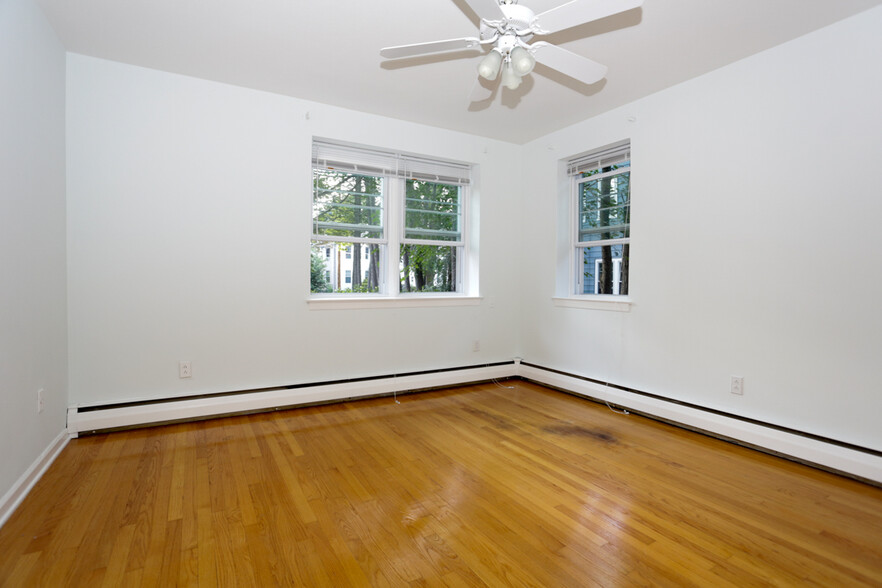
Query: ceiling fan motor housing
x: 517, y: 21
x: 517, y: 18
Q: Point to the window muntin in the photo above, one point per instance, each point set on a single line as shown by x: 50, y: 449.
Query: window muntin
x: 602, y: 210
x: 359, y: 192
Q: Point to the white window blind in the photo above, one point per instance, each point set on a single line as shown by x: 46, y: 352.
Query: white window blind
x: 433, y: 213
x: 600, y: 158
x: 347, y: 207
x: 372, y: 161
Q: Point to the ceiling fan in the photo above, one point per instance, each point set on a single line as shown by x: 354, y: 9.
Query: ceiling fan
x: 507, y: 27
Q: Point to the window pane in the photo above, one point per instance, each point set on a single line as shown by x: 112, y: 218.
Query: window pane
x: 432, y: 211
x: 429, y: 268
x: 605, y: 208
x: 337, y: 272
x: 347, y: 204
x: 603, y: 269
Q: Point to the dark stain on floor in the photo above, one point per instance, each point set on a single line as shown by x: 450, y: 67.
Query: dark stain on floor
x: 577, y: 431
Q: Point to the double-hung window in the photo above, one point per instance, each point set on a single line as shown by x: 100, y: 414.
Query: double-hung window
x: 602, y: 210
x: 394, y: 223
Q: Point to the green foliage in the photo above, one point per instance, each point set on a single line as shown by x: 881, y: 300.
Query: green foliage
x: 351, y: 205
x: 347, y: 204
x: 317, y: 268
x: 428, y: 268
x: 605, y: 207
x: 432, y: 213
x: 362, y: 288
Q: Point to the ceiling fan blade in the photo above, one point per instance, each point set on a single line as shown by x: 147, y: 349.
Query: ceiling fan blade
x: 430, y: 47
x: 578, y: 12
x: 488, y: 9
x: 568, y: 63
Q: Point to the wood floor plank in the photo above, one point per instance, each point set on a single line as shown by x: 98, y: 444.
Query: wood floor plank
x: 485, y: 485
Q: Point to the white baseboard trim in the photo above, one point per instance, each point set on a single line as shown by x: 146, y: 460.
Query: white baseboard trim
x: 805, y: 449
x: 25, y: 483
x: 826, y: 455
x: 79, y: 421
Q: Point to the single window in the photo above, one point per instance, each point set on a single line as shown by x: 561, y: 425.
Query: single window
x: 602, y: 232
x: 357, y: 192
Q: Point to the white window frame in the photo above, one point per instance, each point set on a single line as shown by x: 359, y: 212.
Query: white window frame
x: 594, y: 159
x: 393, y: 219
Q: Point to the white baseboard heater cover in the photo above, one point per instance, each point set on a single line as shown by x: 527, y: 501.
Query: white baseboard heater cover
x: 864, y: 464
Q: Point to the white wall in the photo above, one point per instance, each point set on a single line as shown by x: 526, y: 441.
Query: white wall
x: 756, y: 249
x: 188, y: 221
x: 33, y: 323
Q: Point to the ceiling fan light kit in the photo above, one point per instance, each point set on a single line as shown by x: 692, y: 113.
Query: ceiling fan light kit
x: 489, y: 66
x: 521, y: 61
x: 510, y: 79
x: 508, y: 27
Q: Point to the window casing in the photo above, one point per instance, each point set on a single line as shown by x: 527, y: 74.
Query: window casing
x: 601, y: 240
x: 401, y: 221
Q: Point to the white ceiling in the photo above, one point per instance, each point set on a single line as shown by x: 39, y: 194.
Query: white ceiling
x: 328, y: 51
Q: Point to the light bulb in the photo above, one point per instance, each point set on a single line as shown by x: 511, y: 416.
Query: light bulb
x: 521, y: 61
x: 489, y: 66
x: 510, y: 79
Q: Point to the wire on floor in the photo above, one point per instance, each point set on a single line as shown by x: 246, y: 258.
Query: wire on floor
x: 495, y: 381
x: 623, y: 411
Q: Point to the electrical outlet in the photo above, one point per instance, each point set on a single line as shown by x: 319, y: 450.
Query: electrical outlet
x: 185, y: 369
x: 40, y: 403
x: 737, y: 385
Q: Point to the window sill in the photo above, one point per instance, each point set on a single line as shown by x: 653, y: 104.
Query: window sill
x: 618, y: 304
x: 355, y: 302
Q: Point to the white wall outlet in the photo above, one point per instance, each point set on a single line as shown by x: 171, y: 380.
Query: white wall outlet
x: 476, y: 345
x: 736, y: 385
x: 185, y: 370
x: 40, y: 402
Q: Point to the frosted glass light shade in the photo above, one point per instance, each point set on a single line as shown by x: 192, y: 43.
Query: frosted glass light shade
x: 521, y: 61
x: 489, y: 66
x: 510, y: 79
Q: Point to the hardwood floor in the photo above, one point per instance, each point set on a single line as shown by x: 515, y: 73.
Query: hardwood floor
x: 466, y: 487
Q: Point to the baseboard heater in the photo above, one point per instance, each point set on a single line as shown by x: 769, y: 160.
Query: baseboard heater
x: 861, y: 463
x: 858, y: 462
x: 125, y: 415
